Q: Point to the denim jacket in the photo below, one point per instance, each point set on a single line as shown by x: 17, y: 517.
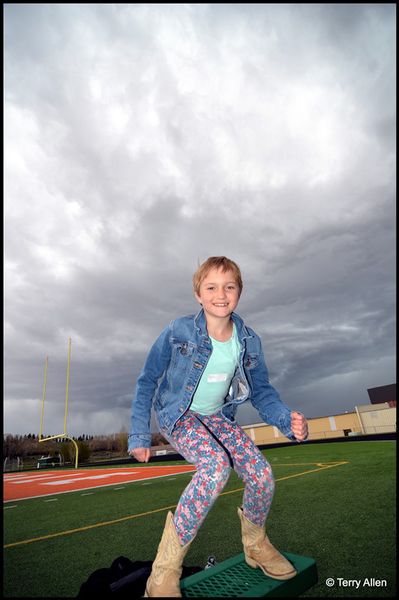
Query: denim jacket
x: 174, y: 367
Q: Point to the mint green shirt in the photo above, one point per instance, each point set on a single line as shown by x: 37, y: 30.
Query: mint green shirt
x: 215, y: 382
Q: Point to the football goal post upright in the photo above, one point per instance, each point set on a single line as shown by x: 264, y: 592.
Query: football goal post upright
x: 64, y: 434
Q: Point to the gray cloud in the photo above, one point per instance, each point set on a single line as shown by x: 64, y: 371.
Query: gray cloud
x: 141, y: 139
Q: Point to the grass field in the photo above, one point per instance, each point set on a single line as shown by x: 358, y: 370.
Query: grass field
x: 342, y: 516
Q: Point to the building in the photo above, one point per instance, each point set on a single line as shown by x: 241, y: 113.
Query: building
x: 383, y: 393
x: 366, y: 419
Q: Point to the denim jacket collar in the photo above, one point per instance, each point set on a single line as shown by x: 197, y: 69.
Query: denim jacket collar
x: 200, y: 324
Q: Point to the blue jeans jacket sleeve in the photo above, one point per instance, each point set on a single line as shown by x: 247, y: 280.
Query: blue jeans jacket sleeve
x: 267, y: 401
x: 157, y: 361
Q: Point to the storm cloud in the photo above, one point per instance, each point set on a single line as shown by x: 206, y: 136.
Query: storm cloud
x: 141, y: 139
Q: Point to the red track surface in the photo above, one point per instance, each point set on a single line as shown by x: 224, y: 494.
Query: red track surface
x: 21, y: 486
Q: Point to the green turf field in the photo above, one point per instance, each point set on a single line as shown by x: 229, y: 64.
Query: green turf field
x: 344, y: 517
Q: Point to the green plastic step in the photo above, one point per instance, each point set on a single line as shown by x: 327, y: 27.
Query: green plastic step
x: 233, y: 578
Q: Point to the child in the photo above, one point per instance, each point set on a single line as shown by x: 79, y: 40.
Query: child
x: 196, y: 374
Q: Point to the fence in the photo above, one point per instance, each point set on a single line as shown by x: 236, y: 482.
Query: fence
x: 13, y: 464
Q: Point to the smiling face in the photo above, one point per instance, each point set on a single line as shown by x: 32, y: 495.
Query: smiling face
x: 218, y: 293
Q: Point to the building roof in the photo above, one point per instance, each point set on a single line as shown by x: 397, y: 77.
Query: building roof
x: 383, y: 393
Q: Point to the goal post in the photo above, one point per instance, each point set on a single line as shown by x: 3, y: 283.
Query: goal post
x: 64, y: 434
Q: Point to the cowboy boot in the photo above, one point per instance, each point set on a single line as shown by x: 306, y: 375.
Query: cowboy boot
x: 259, y: 552
x: 168, y: 564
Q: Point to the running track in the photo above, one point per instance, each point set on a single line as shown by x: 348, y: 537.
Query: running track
x: 22, y: 486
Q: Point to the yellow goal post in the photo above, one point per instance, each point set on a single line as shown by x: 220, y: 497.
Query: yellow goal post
x: 64, y: 434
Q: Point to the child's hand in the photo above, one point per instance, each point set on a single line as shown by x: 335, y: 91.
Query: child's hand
x: 141, y: 454
x: 299, y: 426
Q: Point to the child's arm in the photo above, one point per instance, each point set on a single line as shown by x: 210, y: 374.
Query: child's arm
x: 266, y: 399
x: 155, y: 365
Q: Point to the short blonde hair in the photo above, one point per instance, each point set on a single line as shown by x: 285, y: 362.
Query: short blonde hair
x: 216, y: 262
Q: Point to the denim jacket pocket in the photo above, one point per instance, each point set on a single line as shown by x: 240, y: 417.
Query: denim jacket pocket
x: 181, y: 351
x: 251, y: 361
x: 183, y: 354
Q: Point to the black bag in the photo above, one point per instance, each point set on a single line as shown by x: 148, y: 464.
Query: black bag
x: 122, y: 578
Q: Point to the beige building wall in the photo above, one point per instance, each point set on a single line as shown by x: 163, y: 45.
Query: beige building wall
x: 368, y: 418
x: 263, y: 434
x: 377, y: 418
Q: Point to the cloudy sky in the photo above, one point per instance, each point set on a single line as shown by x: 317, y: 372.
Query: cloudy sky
x: 141, y: 139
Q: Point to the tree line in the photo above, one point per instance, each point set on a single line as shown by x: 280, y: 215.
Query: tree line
x: 29, y: 445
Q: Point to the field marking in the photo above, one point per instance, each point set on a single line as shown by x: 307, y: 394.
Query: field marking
x: 102, y: 476
x: 87, y: 527
x: 81, y: 476
x: 321, y: 468
x: 32, y: 478
x: 338, y: 464
x: 157, y: 510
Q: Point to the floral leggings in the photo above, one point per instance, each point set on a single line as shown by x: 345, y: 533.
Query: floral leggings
x: 214, y: 446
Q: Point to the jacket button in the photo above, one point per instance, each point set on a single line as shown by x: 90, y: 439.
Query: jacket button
x: 189, y: 388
